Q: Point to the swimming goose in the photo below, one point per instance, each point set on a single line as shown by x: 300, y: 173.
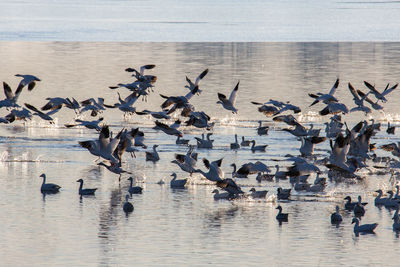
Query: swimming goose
x: 257, y: 148
x: 86, y: 191
x: 245, y: 142
x: 134, y: 189
x: 281, y: 216
x: 390, y: 129
x: 378, y: 95
x: 204, y: 143
x: 195, y: 86
x: 336, y: 217
x: 48, y: 188
x: 262, y: 130
x: 258, y: 194
x: 391, y: 202
x: 350, y: 205
x: 152, y: 155
x: 283, y: 193
x: 235, y: 174
x: 177, y: 183
x: 364, y: 228
x: 236, y: 144
x: 229, y: 104
x: 358, y: 208
x: 27, y: 80
x: 42, y: 115
x: 218, y: 195
x: 326, y: 98
x: 127, y: 207
x: 379, y: 200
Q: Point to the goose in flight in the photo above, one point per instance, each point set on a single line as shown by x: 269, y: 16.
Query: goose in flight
x: 359, y: 101
x: 229, y: 104
x: 94, y: 124
x: 94, y: 106
x: 204, y: 143
x: 378, y: 95
x: 364, y: 228
x: 11, y: 99
x: 139, y: 75
x: 152, y: 155
x: 42, y: 115
x: 374, y: 105
x: 326, y: 98
x: 192, y: 86
x: 55, y: 102
x: 170, y: 130
x: 27, y: 80
x: 125, y: 105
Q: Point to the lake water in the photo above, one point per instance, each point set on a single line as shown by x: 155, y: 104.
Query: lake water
x: 186, y: 227
x: 206, y: 20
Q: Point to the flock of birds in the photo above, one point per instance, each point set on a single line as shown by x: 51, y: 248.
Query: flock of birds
x: 350, y: 148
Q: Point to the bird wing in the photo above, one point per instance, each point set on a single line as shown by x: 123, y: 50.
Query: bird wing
x: 335, y: 86
x: 222, y: 97
x: 201, y: 76
x: 232, y: 97
x: 353, y: 92
x: 7, y: 91
x: 372, y: 88
x: 146, y: 67
x: 387, y: 91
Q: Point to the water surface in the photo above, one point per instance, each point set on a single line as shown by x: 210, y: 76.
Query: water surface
x: 185, y: 227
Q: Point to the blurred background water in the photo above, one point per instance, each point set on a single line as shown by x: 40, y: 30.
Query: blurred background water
x: 186, y: 227
x: 207, y: 20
